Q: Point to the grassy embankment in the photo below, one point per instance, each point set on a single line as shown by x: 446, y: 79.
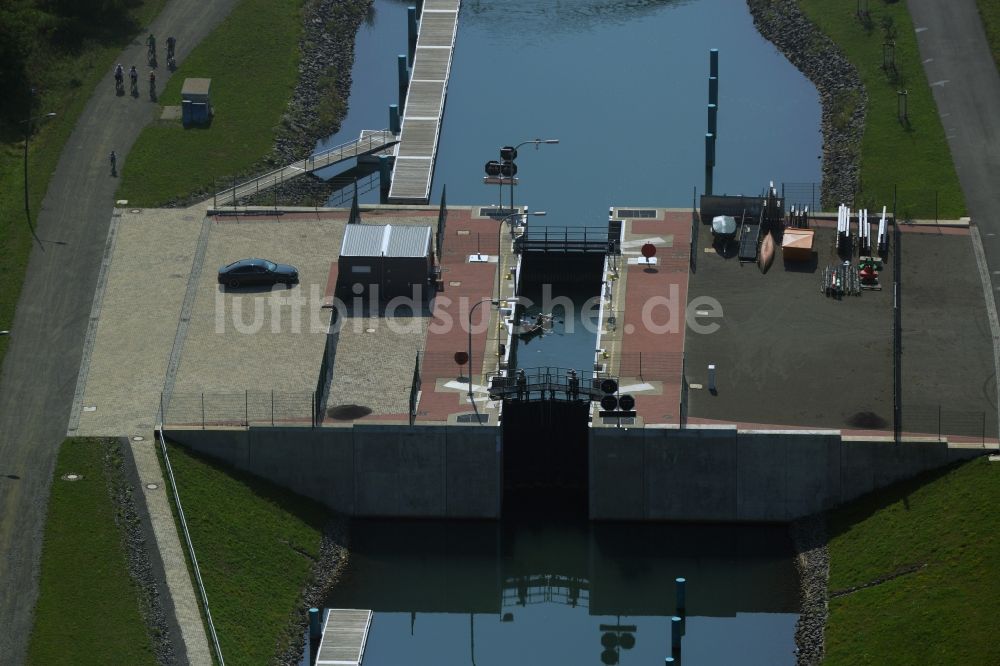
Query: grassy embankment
x: 64, y: 77
x: 989, y: 10
x: 88, y: 606
x: 940, y: 538
x: 914, y: 155
x: 252, y: 59
x: 256, y: 545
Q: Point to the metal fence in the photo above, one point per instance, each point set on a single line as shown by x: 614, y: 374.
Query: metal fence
x: 911, y: 203
x: 945, y: 423
x: 648, y: 366
x: 241, y: 409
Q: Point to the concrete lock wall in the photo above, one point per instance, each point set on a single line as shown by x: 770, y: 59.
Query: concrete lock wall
x: 369, y: 470
x: 721, y: 474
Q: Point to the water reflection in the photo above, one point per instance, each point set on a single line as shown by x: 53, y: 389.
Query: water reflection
x: 569, y: 592
x: 531, y: 18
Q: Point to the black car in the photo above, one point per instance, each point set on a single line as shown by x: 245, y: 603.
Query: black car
x: 257, y: 272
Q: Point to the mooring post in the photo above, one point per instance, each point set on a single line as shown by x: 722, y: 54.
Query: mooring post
x: 675, y: 635
x: 404, y: 80
x: 713, y: 90
x: 713, y: 62
x: 681, y: 595
x: 709, y: 161
x: 713, y: 118
x: 314, y: 626
x: 384, y: 176
x: 411, y: 21
x: 394, y: 118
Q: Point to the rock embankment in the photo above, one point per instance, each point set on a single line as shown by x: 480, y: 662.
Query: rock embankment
x: 326, y: 571
x: 812, y: 559
x: 841, y: 92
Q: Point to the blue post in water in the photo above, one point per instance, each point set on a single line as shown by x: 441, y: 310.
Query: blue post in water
x: 713, y: 62
x: 404, y: 80
x: 384, y: 176
x: 394, y: 118
x: 411, y: 22
x: 709, y: 161
x: 713, y: 90
x: 314, y: 624
x: 681, y: 595
x: 675, y: 635
x: 713, y: 119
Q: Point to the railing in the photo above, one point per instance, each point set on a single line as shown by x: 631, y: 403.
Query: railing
x: 547, y: 382
x: 947, y: 423
x: 648, y: 366
x: 190, y: 545
x: 363, y: 145
x: 567, y: 240
x: 911, y: 203
x: 545, y: 588
x: 414, y: 390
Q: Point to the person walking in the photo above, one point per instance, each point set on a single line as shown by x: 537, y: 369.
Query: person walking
x: 114, y: 163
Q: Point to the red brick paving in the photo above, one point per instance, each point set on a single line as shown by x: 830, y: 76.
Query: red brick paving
x: 667, y: 280
x: 448, y: 330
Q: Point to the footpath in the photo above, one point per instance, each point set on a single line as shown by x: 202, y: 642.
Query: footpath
x: 38, y: 378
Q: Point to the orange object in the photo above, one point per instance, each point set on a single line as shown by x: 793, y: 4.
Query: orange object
x: 797, y: 244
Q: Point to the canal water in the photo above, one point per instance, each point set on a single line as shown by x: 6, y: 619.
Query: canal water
x: 623, y: 85
x: 551, y: 593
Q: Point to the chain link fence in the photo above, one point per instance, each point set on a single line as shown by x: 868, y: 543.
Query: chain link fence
x: 243, y: 409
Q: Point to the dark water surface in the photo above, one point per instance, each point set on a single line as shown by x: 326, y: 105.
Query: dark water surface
x: 546, y: 593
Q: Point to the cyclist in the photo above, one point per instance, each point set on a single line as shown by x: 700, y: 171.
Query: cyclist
x: 151, y: 46
x: 114, y: 162
x: 133, y: 75
x: 171, y: 43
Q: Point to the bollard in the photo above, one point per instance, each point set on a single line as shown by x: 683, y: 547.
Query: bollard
x: 713, y: 119
x: 681, y: 595
x: 713, y: 62
x: 384, y: 176
x: 411, y: 22
x: 675, y: 635
x: 713, y: 90
x: 404, y: 81
x: 709, y: 161
x: 711, y: 378
x: 314, y: 625
x: 394, y: 118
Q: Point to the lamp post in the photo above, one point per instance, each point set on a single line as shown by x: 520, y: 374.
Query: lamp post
x: 27, y: 136
x: 509, y: 154
x: 471, y: 310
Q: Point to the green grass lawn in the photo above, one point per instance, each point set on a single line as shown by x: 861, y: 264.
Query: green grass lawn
x: 88, y: 608
x: 64, y: 81
x: 989, y: 10
x: 252, y: 59
x: 943, y: 613
x: 915, y: 157
x: 256, y: 545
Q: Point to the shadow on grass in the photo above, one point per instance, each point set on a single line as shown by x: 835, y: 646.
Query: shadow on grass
x: 311, y: 512
x: 841, y: 520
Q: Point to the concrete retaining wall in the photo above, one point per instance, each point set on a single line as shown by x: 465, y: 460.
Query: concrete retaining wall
x: 370, y: 470
x: 721, y: 474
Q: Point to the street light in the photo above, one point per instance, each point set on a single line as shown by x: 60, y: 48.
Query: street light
x: 27, y: 136
x: 471, y: 365
x: 497, y: 172
x: 512, y: 152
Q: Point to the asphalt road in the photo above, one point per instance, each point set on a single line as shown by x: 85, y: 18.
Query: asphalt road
x: 966, y: 87
x: 39, y: 373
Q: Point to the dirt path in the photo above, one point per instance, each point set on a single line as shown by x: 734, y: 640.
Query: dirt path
x: 39, y: 373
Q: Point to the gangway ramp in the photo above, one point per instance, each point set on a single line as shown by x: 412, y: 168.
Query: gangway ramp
x: 345, y: 634
x: 370, y: 142
x: 420, y: 131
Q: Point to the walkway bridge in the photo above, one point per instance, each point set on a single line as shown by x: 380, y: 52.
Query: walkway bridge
x: 424, y: 103
x: 369, y: 143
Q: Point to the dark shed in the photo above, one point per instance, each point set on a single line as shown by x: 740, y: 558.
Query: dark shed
x: 391, y: 259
